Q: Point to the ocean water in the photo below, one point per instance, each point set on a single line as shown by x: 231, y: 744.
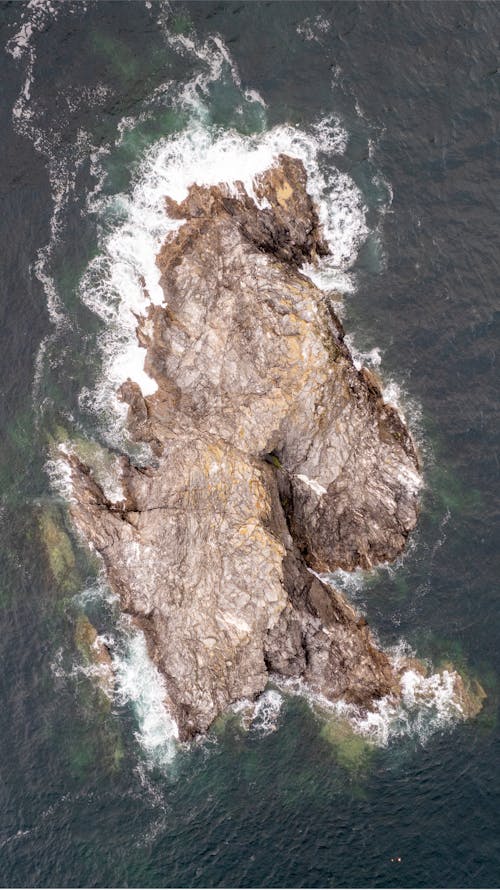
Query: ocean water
x: 106, y: 108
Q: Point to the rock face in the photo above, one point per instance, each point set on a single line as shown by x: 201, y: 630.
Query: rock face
x: 275, y: 459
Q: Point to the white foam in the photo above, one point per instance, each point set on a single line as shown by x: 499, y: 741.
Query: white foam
x: 410, y: 479
x: 382, y: 184
x: 26, y: 122
x: 313, y: 29
x: 410, y: 410
x: 98, y: 592
x: 266, y: 712
x: 217, y: 65
x: 124, y: 280
x: 97, y: 672
x: 350, y: 583
x: 393, y: 393
x: 262, y: 715
x: 428, y: 704
x: 332, y: 136
x: 59, y: 473
x: 108, y: 474
x: 35, y: 122
x: 371, y: 358
x: 35, y: 15
x: 140, y: 684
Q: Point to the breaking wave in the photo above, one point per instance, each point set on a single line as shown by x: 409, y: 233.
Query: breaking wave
x: 124, y: 279
x: 140, y: 685
x: 261, y: 716
x: 428, y: 704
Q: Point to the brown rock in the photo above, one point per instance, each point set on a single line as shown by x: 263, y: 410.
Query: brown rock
x: 274, y: 457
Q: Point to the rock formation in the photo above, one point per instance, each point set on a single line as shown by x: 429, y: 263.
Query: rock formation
x: 274, y: 459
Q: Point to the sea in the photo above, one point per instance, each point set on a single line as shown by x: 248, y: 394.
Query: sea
x: 107, y: 108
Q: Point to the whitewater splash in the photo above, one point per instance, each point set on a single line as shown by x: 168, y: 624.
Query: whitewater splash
x: 141, y: 686
x: 428, y: 704
x: 124, y: 280
x: 45, y: 126
x: 133, y: 681
x: 261, y: 716
x: 393, y: 393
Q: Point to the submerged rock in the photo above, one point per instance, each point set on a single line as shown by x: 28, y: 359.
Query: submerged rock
x: 275, y: 458
x: 352, y: 751
x: 58, y: 550
x: 95, y: 653
x: 469, y: 695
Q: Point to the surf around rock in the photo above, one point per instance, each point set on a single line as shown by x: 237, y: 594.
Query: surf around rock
x: 273, y: 460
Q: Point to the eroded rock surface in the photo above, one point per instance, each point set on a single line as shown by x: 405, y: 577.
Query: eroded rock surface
x: 275, y: 458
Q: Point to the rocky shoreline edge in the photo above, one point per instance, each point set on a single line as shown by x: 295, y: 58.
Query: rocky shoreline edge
x: 273, y: 459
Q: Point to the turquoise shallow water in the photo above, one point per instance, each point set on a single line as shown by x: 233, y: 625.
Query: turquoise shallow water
x: 415, y: 88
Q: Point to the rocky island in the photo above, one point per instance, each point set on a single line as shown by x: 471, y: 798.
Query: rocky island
x: 274, y: 460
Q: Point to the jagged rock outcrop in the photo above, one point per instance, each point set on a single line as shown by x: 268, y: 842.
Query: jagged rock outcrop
x: 274, y: 459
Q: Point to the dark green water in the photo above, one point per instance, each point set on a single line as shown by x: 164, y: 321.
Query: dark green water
x: 416, y: 88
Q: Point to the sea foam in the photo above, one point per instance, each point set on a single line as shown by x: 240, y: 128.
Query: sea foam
x: 141, y: 686
x: 124, y: 280
x: 428, y: 704
x: 260, y: 717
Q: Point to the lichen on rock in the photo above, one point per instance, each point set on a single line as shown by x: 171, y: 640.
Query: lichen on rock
x: 274, y: 459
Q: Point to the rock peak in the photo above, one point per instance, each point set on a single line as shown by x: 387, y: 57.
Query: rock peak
x: 286, y: 224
